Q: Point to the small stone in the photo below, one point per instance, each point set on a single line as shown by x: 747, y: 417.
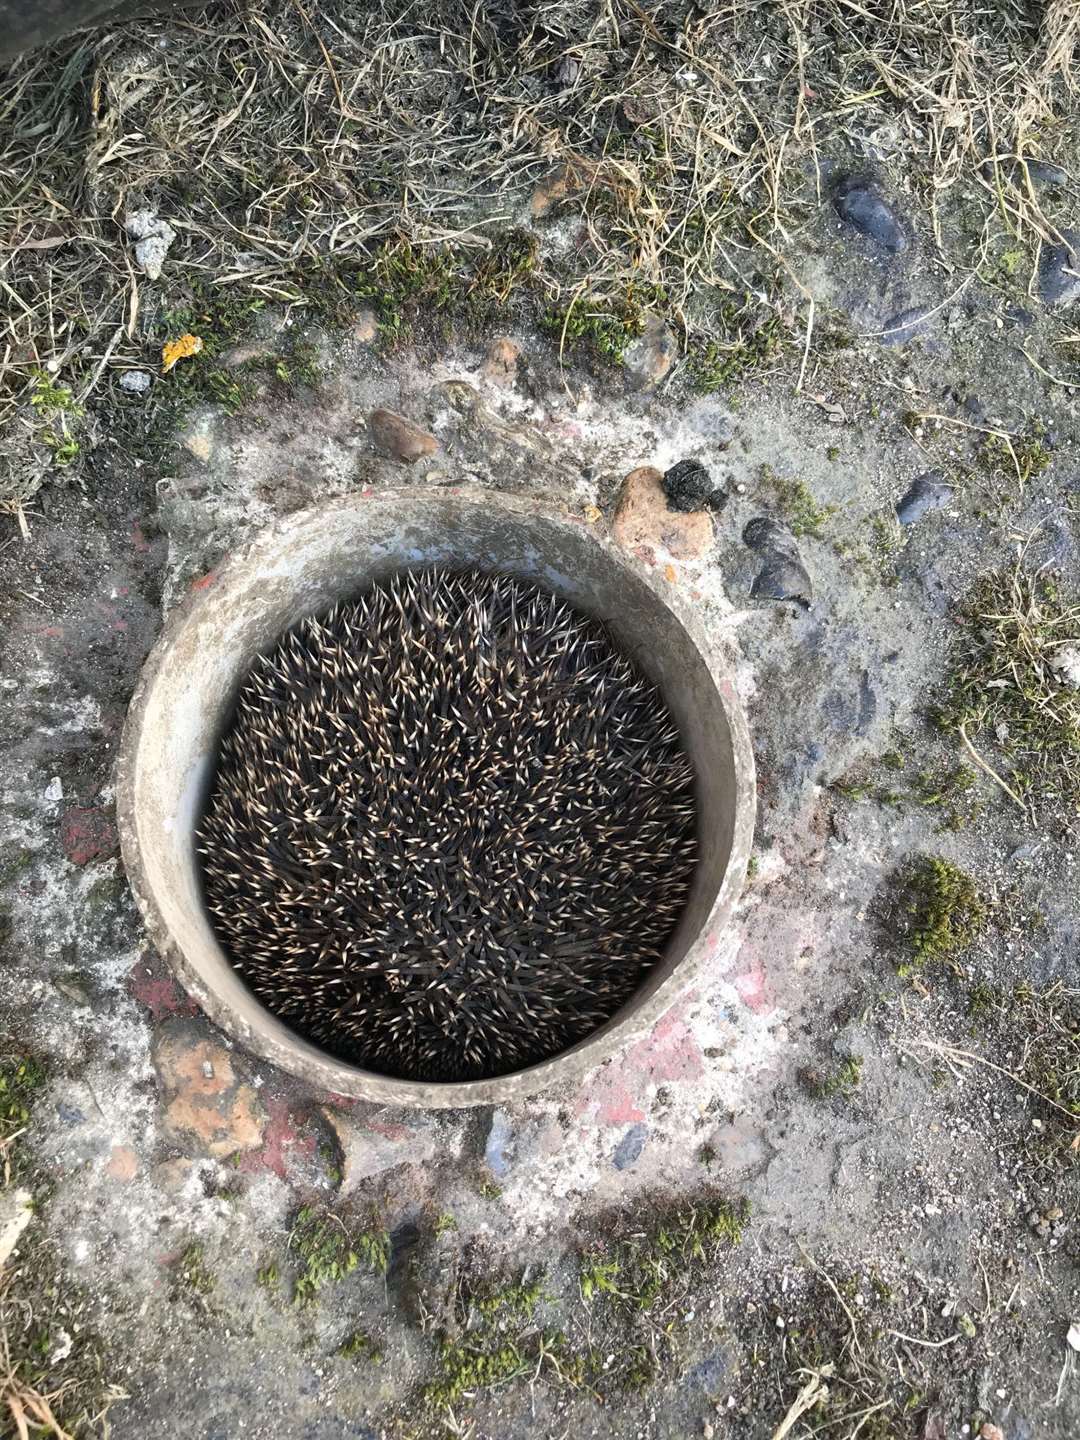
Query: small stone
x: 630, y: 1147
x: 16, y: 1212
x: 782, y: 578
x: 567, y: 71
x: 1072, y: 1339
x: 372, y: 1144
x: 861, y: 204
x: 54, y: 791
x: 153, y: 237
x: 172, y: 1175
x: 1066, y: 662
x: 1044, y: 173
x: 651, y: 356
x: 991, y: 1432
x: 689, y: 487
x: 499, y: 1146
x: 642, y: 518
x: 926, y: 493
x: 501, y: 362
x: 400, y: 438
x: 216, y: 1114
x: 782, y: 575
x: 707, y: 1431
x: 365, y: 328
x: 135, y: 382
x: 87, y: 834
x: 1059, y: 270
x: 123, y: 1164
x: 552, y: 191
x: 1054, y: 1213
x: 238, y: 355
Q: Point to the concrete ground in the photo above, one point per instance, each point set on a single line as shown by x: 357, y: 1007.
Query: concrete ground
x: 212, y: 1249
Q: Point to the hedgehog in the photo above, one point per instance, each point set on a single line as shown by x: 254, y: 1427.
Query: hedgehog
x: 451, y: 829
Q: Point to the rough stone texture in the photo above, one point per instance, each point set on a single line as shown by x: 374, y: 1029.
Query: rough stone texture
x: 153, y: 238
x: 365, y: 328
x: 123, y: 1163
x: 16, y: 1212
x: 396, y: 436
x: 135, y: 382
x: 651, y: 356
x: 552, y: 191
x: 374, y: 1142
x: 501, y: 361
x: 1059, y: 270
x: 206, y: 1105
x: 88, y: 834
x: 642, y: 518
x: 860, y: 202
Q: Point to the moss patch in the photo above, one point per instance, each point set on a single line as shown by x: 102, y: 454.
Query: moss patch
x: 943, y: 910
x: 1005, y: 689
x: 326, y: 1250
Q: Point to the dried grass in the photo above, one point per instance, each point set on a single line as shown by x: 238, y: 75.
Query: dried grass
x: 282, y: 137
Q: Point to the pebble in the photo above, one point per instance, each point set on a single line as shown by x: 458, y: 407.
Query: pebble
x: 365, y: 328
x: 1043, y: 172
x: 642, y: 518
x: 552, y: 191
x: 630, y: 1147
x: 16, y: 1212
x: 153, y: 238
x: 860, y: 202
x: 399, y: 437
x: 1066, y: 661
x: 651, y: 356
x: 54, y: 791
x: 926, y: 493
x: 1059, y: 270
x: 782, y: 575
x: 135, y: 382
x: 501, y: 361
x: 689, y: 486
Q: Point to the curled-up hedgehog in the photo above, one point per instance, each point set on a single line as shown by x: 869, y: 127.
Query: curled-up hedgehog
x: 451, y: 829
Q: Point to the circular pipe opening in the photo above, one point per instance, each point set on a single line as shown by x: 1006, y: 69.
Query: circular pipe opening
x: 186, y: 698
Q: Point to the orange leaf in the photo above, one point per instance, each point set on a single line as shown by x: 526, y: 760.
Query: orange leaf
x: 180, y: 349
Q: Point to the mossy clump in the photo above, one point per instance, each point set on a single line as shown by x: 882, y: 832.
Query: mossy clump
x: 192, y: 1272
x: 943, y: 908
x: 604, y: 325
x: 327, y: 1251
x: 801, y: 511
x: 21, y: 1080
x: 628, y: 1285
x: 1016, y: 460
x: 1007, y: 689
x: 842, y: 1080
x: 359, y: 1346
x: 744, y: 338
x: 498, y: 1338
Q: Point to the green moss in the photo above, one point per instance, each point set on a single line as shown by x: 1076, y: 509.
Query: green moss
x: 489, y: 1190
x: 944, y: 909
x: 14, y: 861
x: 801, y: 511
x: 842, y: 1080
x: 445, y: 1223
x: 20, y: 1082
x: 192, y: 1272
x: 748, y: 336
x: 983, y: 1000
x: 604, y: 325
x: 1004, y: 689
x: 500, y: 1341
x: 1015, y: 460
x: 833, y: 453
x: 327, y: 1251
x: 359, y: 1346
x: 268, y: 1277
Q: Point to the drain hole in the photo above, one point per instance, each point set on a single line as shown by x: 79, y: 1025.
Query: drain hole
x: 451, y: 829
